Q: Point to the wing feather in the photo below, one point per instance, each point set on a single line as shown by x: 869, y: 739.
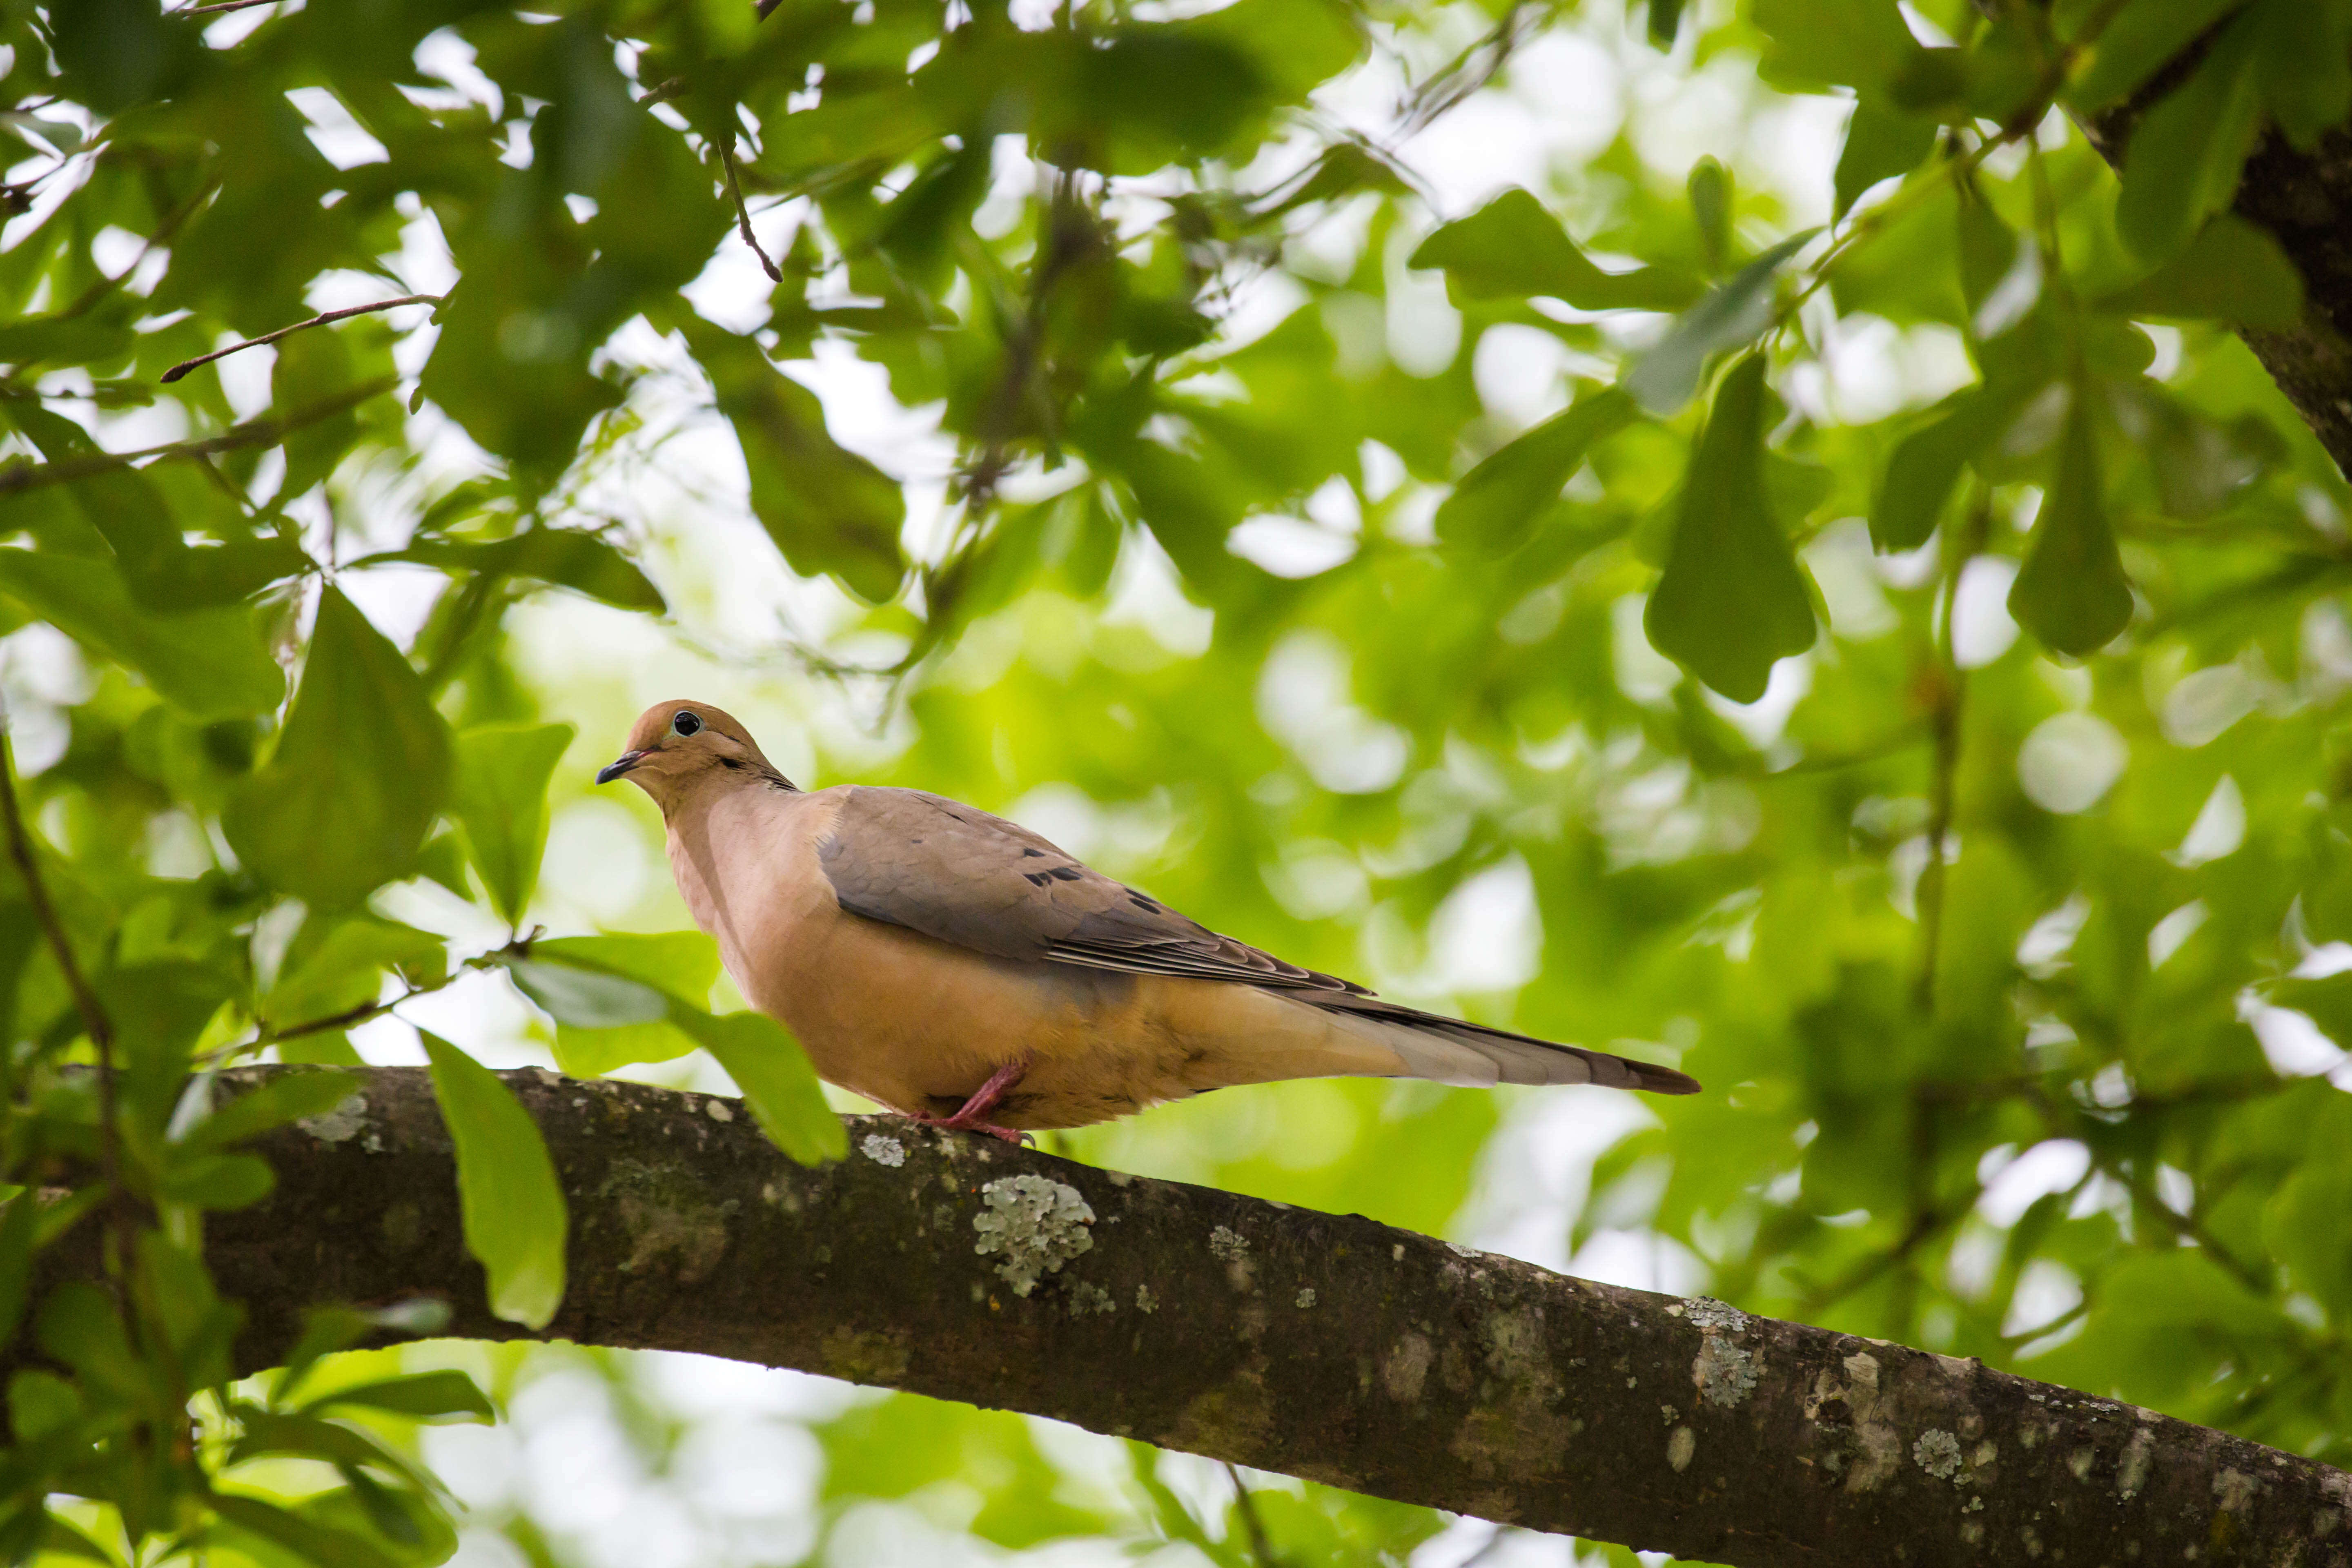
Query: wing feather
x: 964, y: 876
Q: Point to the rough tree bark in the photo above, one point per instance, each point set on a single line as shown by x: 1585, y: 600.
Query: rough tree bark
x: 1326, y: 1346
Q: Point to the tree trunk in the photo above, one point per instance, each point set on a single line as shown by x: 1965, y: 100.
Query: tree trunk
x: 2304, y: 201
x: 1326, y: 1346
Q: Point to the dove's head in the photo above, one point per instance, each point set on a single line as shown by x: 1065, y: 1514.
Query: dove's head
x: 677, y: 746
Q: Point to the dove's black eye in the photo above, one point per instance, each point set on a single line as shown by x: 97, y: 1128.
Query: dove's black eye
x: 688, y: 722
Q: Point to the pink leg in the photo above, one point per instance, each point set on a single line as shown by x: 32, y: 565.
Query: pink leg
x: 985, y: 1099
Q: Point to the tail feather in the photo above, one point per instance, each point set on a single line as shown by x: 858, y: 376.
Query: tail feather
x: 1450, y: 1050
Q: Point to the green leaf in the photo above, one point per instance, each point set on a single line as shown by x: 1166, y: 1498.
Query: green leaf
x: 2183, y: 163
x: 593, y: 1052
x: 222, y: 1181
x: 209, y: 663
x: 361, y: 769
x: 827, y: 509
x: 313, y: 368
x: 2136, y: 43
x: 1731, y: 602
x: 423, y: 1395
x: 681, y: 963
x: 510, y: 1200
x: 63, y: 339
x: 1881, y: 141
x: 1512, y: 248
x: 345, y: 970
x: 1925, y: 464
x: 1665, y: 21
x: 2302, y: 1223
x: 2071, y: 592
x: 63, y: 1538
x: 319, y: 1543
x: 1667, y: 375
x: 305, y: 1435
x: 586, y: 997
x: 566, y: 557
x: 80, y: 1329
x: 2231, y: 273
x: 501, y: 801
x: 2306, y: 67
x: 1710, y: 186
x: 115, y: 53
x: 325, y: 1331
x: 1816, y: 44
x: 1494, y: 506
x: 769, y: 1065
x: 40, y: 1403
x: 607, y: 994
x: 1988, y: 249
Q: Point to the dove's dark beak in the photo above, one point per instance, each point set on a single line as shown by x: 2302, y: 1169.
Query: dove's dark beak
x: 618, y: 766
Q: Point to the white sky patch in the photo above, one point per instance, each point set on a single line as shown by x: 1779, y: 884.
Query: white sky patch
x: 338, y: 138
x: 1983, y: 629
x: 2013, y: 1185
x: 2219, y: 830
x: 2070, y: 761
x: 2168, y: 935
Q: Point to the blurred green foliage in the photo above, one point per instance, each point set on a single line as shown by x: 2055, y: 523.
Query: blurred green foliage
x: 2016, y: 965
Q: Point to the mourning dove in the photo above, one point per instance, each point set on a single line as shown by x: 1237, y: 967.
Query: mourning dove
x: 960, y: 968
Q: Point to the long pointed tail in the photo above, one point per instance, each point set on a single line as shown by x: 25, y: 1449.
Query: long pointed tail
x: 1449, y: 1050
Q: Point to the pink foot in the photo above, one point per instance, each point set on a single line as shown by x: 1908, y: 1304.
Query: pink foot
x: 970, y: 1117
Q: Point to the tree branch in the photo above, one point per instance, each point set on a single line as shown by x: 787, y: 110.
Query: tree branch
x: 95, y: 1023
x: 1326, y: 1346
x: 2301, y: 200
x: 320, y: 319
x: 25, y: 474
x: 744, y: 213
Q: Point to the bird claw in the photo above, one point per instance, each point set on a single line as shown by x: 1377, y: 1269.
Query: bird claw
x: 958, y: 1124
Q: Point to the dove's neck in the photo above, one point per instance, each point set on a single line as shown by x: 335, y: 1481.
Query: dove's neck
x: 742, y: 853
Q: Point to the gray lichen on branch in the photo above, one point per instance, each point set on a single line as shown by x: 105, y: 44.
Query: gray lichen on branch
x: 1424, y: 1372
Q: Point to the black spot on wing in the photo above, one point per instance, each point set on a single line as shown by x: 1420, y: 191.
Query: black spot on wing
x: 1026, y: 853
x: 1035, y: 878
x: 1065, y: 873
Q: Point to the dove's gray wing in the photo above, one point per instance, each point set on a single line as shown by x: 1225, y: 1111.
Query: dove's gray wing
x: 954, y: 872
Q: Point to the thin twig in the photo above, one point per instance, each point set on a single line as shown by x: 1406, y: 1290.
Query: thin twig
x: 266, y: 1035
x: 742, y: 213
x: 94, y: 1021
x: 26, y: 476
x: 184, y: 366
x: 222, y: 7
x: 1951, y: 700
x: 1260, y: 1547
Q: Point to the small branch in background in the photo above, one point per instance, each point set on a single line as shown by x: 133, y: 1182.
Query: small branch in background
x: 164, y: 231
x: 742, y: 213
x: 222, y: 8
x: 1245, y: 1502
x: 26, y: 476
x: 94, y: 1020
x: 184, y: 366
x: 763, y: 7
x: 1950, y: 697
